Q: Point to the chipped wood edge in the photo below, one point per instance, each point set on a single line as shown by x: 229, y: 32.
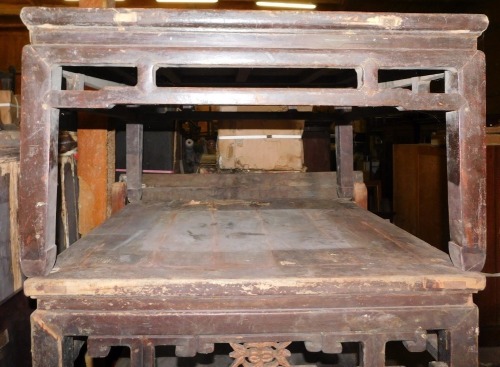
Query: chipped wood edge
x: 35, y: 287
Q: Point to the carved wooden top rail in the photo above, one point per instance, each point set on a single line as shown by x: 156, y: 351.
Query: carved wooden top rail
x: 148, y: 39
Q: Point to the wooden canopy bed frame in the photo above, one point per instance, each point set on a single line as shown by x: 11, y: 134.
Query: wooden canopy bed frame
x: 254, y: 260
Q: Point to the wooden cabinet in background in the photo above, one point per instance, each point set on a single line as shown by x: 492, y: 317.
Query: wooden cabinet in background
x: 420, y: 192
x: 488, y: 300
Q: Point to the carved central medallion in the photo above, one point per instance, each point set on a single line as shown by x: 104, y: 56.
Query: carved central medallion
x: 267, y: 354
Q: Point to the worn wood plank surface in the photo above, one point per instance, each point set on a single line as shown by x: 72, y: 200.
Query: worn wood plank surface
x: 237, y: 247
x: 247, y: 186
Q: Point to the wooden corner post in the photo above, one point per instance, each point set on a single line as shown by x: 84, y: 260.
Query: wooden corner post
x: 38, y: 165
x: 467, y: 166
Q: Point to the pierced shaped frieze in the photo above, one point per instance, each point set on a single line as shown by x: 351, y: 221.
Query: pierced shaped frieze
x: 267, y: 354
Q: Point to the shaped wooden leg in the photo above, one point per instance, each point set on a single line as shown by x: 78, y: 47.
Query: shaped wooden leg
x: 458, y: 347
x: 37, y: 192
x: 49, y: 348
x: 466, y: 156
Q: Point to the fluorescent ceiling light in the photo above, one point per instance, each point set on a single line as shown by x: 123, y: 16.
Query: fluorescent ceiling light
x: 188, y: 1
x: 276, y: 4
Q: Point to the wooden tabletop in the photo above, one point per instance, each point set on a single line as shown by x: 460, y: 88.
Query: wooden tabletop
x: 239, y: 248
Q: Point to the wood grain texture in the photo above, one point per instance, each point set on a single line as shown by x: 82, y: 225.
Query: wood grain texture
x: 96, y: 3
x: 248, y: 186
x: 95, y: 167
x: 118, y: 196
x: 466, y: 166
x: 420, y: 197
x: 244, y: 247
x: 93, y: 172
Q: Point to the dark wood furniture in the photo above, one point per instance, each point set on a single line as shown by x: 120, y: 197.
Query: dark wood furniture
x: 257, y: 260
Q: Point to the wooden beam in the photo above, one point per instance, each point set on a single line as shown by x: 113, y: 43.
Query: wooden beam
x: 90, y: 81
x: 93, y: 170
x: 97, y: 4
x: 411, y: 82
x: 96, y: 145
x: 11, y: 9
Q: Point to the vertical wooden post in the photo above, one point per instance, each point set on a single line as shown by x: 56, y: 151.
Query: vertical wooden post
x: 37, y: 191
x: 344, y: 153
x: 134, y: 162
x: 96, y: 166
x: 94, y: 145
x: 466, y: 150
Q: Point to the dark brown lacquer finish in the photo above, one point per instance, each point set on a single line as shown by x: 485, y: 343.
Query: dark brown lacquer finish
x: 256, y: 261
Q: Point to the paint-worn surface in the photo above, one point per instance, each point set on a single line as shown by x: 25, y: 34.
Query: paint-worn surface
x: 237, y: 247
x: 262, y: 269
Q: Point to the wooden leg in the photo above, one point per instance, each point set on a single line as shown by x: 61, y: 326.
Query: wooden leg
x: 38, y: 165
x: 466, y: 155
x: 458, y: 347
x: 49, y: 348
